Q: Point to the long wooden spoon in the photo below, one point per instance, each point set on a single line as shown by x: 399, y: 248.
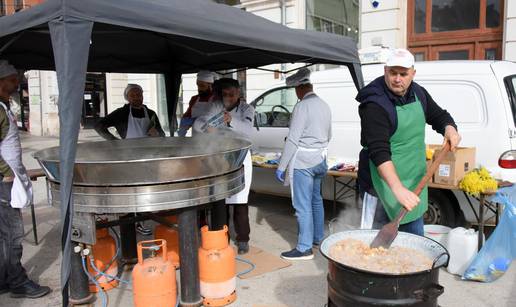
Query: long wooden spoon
x: 389, y: 231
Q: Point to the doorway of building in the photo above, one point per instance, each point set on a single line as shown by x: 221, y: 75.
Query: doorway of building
x: 94, y: 105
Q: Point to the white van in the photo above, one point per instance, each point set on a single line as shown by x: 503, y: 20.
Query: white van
x: 480, y: 95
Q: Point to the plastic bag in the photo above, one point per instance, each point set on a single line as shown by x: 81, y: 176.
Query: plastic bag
x: 214, y: 121
x: 496, y: 255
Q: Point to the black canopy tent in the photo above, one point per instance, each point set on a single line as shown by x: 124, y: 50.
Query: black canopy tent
x: 152, y: 36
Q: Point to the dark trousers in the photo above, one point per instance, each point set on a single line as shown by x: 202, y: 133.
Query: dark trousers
x: 381, y: 218
x: 220, y: 217
x: 12, y: 274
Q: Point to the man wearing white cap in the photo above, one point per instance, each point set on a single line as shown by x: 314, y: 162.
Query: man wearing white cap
x: 200, y: 103
x: 133, y: 120
x: 15, y: 193
x: 234, y: 117
x: 304, y: 162
x: 394, y: 111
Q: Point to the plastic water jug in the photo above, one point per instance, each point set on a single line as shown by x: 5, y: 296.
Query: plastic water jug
x: 463, y: 247
x: 438, y: 233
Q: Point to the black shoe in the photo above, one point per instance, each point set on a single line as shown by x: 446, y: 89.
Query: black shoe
x: 145, y: 231
x: 4, y: 289
x: 297, y: 255
x: 243, y: 247
x: 30, y: 289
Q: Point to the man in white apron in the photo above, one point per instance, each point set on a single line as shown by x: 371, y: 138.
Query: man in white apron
x: 133, y: 120
x: 235, y: 115
x: 200, y: 103
x: 15, y: 193
x: 304, y: 156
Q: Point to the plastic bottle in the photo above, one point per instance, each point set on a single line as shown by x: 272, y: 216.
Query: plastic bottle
x: 463, y: 247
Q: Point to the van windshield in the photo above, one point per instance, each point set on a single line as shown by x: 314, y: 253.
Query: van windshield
x: 510, y: 84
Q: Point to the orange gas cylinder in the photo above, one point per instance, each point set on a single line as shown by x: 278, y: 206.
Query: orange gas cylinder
x: 172, y: 237
x: 154, y: 279
x: 103, y: 252
x: 217, y: 268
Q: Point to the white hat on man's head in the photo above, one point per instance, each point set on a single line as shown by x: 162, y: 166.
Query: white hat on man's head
x: 6, y: 69
x: 401, y: 58
x: 129, y: 87
x: 302, y: 76
x: 205, y: 76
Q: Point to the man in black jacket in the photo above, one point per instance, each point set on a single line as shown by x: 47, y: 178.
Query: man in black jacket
x: 132, y: 120
x: 394, y: 111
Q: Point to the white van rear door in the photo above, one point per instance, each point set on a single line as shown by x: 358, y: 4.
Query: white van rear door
x: 505, y: 73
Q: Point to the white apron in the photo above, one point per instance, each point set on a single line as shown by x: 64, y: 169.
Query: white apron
x: 289, y: 179
x: 137, y: 127
x: 200, y: 108
x: 10, y: 150
x: 242, y: 196
x: 368, y: 211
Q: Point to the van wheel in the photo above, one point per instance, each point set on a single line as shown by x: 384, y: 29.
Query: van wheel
x: 440, y: 209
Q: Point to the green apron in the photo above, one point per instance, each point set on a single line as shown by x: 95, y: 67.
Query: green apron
x: 409, y: 158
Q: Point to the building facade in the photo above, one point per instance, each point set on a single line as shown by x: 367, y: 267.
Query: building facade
x: 8, y: 7
x: 431, y: 29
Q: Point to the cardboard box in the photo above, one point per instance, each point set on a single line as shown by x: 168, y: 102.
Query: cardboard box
x: 455, y: 165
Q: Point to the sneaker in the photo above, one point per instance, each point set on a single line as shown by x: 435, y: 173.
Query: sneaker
x: 145, y: 231
x: 30, y: 289
x: 243, y: 247
x: 297, y: 255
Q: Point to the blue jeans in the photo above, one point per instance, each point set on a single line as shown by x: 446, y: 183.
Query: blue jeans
x: 381, y: 218
x: 308, y: 203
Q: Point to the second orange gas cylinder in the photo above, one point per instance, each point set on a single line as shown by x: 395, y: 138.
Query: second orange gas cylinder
x: 217, y: 268
x: 154, y: 278
x: 172, y: 237
x: 103, y: 252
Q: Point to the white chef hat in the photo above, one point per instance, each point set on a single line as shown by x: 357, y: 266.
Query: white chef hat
x: 129, y: 87
x: 6, y: 69
x: 205, y: 76
x: 401, y: 58
x: 302, y: 76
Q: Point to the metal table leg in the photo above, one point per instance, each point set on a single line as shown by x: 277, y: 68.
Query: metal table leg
x: 334, y: 197
x: 128, y: 240
x: 34, y: 225
x: 481, y: 221
x: 188, y: 251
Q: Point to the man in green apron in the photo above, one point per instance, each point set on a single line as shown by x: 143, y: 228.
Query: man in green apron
x: 394, y: 111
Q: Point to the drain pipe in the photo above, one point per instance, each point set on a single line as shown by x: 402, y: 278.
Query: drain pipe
x: 283, y: 7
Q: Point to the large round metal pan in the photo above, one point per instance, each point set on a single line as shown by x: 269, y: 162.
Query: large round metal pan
x: 428, y: 247
x: 146, y: 161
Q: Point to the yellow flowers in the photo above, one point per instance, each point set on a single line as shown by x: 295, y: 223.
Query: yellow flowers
x: 478, y: 181
x: 429, y: 153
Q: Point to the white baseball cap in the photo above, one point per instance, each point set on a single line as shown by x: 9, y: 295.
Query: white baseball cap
x: 302, y: 76
x: 400, y: 57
